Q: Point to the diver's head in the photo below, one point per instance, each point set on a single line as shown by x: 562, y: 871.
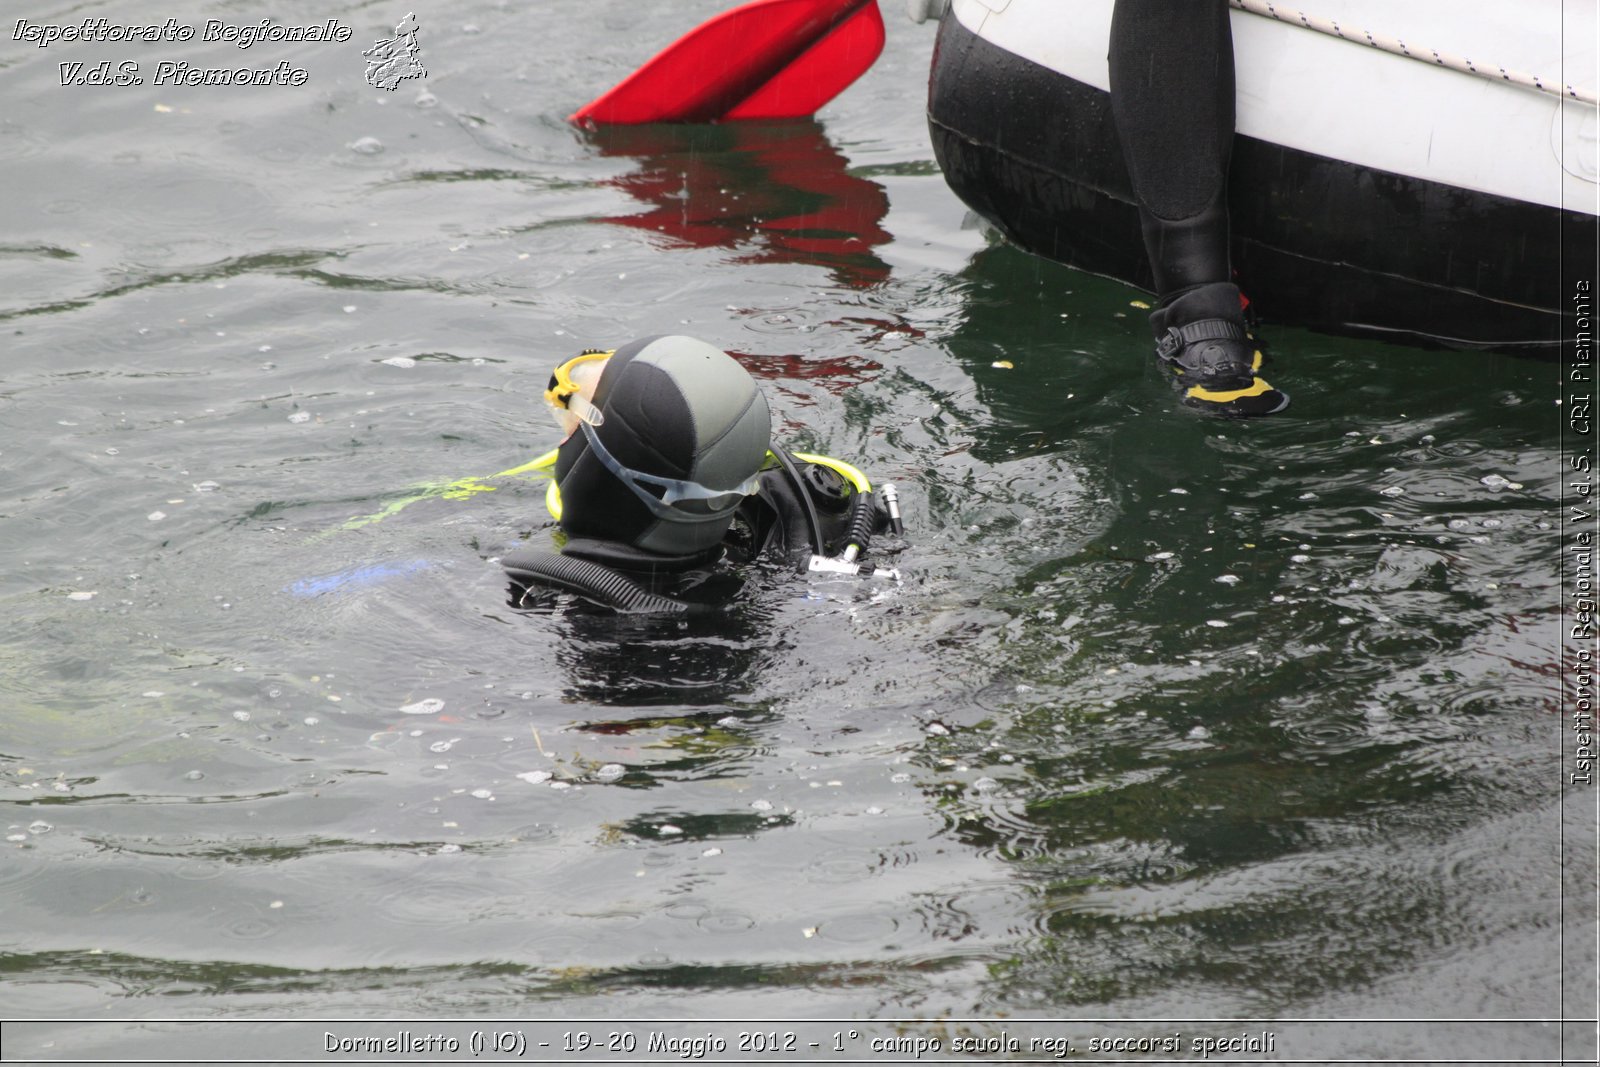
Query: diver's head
x: 666, y: 447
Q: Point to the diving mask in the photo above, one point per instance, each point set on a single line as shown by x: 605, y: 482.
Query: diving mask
x: 676, y: 500
x: 571, y: 391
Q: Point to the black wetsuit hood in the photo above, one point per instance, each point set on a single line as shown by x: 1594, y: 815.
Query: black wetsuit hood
x: 674, y: 407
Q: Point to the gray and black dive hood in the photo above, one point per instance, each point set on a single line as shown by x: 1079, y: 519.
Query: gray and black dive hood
x: 682, y: 434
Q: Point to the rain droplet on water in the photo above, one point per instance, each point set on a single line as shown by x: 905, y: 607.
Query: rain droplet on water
x: 536, y: 777
x: 366, y: 146
x: 427, y: 706
x: 611, y: 772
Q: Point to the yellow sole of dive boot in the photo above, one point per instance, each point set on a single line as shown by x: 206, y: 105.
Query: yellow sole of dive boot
x: 1258, y: 387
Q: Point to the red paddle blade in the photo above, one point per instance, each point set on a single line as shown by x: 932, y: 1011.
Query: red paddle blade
x: 769, y: 59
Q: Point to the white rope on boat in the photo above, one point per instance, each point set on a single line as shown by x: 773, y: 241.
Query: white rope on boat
x: 1400, y: 48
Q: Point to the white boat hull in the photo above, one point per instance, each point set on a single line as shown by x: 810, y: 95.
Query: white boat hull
x: 1369, y: 192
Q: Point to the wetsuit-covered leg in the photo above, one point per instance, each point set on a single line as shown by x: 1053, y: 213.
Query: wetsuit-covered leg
x: 1172, y: 99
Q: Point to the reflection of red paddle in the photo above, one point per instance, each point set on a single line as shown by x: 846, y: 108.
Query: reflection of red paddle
x: 769, y: 59
x: 769, y: 192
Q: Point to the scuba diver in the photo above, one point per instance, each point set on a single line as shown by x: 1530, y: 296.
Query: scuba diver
x: 668, y: 471
x: 1172, y: 102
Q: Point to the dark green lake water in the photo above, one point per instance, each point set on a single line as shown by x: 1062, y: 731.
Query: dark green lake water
x: 1171, y: 719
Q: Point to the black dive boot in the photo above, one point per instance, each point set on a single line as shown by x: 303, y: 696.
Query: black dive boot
x: 1201, y: 341
x: 1172, y: 101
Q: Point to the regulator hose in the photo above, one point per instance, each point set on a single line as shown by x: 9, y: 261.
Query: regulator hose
x: 597, y: 582
x: 861, y: 520
x: 813, y: 523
